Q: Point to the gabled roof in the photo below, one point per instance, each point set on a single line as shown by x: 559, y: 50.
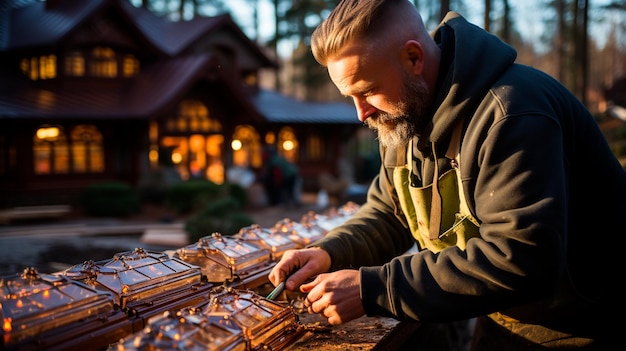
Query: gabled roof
x: 31, y: 25
x: 278, y: 108
x: 174, y: 37
x: 47, y: 23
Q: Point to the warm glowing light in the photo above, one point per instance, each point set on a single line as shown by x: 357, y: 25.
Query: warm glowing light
x: 47, y: 133
x: 236, y: 144
x: 125, y: 289
x: 176, y: 157
x: 177, y: 337
x: 153, y: 155
x: 46, y: 294
x: 288, y: 145
x: 6, y: 325
x: 19, y: 303
x: 196, y: 142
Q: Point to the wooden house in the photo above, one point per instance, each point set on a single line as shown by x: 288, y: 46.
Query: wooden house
x: 100, y: 90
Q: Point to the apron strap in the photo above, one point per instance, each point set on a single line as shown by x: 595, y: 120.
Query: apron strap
x: 453, y: 152
x: 435, y: 203
x: 454, y: 148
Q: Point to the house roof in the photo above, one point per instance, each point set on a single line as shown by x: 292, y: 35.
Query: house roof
x: 31, y: 24
x: 28, y: 24
x: 174, y: 37
x: 279, y: 108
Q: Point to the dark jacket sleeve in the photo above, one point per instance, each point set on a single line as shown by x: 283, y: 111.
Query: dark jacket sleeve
x: 373, y: 236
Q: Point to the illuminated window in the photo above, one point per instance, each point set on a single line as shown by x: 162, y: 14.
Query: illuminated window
x: 178, y: 148
x: 248, y: 150
x: 103, y: 63
x: 50, y: 151
x: 130, y: 66
x: 87, y: 149
x: 33, y: 69
x: 75, y: 64
x: 315, y: 148
x: 288, y: 144
x: 43, y: 67
x: 201, y: 154
x: 48, y: 67
x: 25, y: 66
x: 153, y: 154
x: 196, y: 156
x: 193, y: 116
x: 215, y: 166
x: 270, y: 138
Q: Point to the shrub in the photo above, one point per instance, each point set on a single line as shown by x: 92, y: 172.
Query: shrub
x: 113, y: 198
x: 237, y: 192
x: 192, y: 195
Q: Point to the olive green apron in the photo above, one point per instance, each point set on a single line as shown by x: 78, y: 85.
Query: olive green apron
x: 437, y: 214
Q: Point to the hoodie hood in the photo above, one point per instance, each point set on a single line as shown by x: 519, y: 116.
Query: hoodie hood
x: 467, y: 74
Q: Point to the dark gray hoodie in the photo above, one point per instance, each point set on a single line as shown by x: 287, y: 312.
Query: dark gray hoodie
x: 538, y: 175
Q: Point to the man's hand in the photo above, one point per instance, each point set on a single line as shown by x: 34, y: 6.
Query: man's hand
x: 336, y: 296
x: 297, y: 266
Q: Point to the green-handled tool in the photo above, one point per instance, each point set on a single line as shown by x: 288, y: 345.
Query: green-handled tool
x: 277, y: 290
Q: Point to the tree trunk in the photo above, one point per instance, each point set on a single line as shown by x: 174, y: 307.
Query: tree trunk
x: 584, y: 52
x: 443, y: 10
x: 560, y: 41
x: 506, y: 22
x: 277, y: 85
x: 487, y: 17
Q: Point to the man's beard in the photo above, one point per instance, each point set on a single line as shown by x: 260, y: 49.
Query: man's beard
x: 398, y: 129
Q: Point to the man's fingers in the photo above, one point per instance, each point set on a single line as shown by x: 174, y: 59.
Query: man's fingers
x: 298, y: 266
x: 302, y: 275
x: 307, y: 287
x: 277, y: 275
x: 288, y: 264
x: 316, y: 306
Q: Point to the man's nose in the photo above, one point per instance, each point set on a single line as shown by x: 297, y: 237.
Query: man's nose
x: 363, y: 109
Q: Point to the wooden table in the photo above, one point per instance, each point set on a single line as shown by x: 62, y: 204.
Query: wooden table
x: 365, y: 333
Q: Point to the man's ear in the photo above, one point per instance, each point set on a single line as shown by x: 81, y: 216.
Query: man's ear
x: 414, y: 59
